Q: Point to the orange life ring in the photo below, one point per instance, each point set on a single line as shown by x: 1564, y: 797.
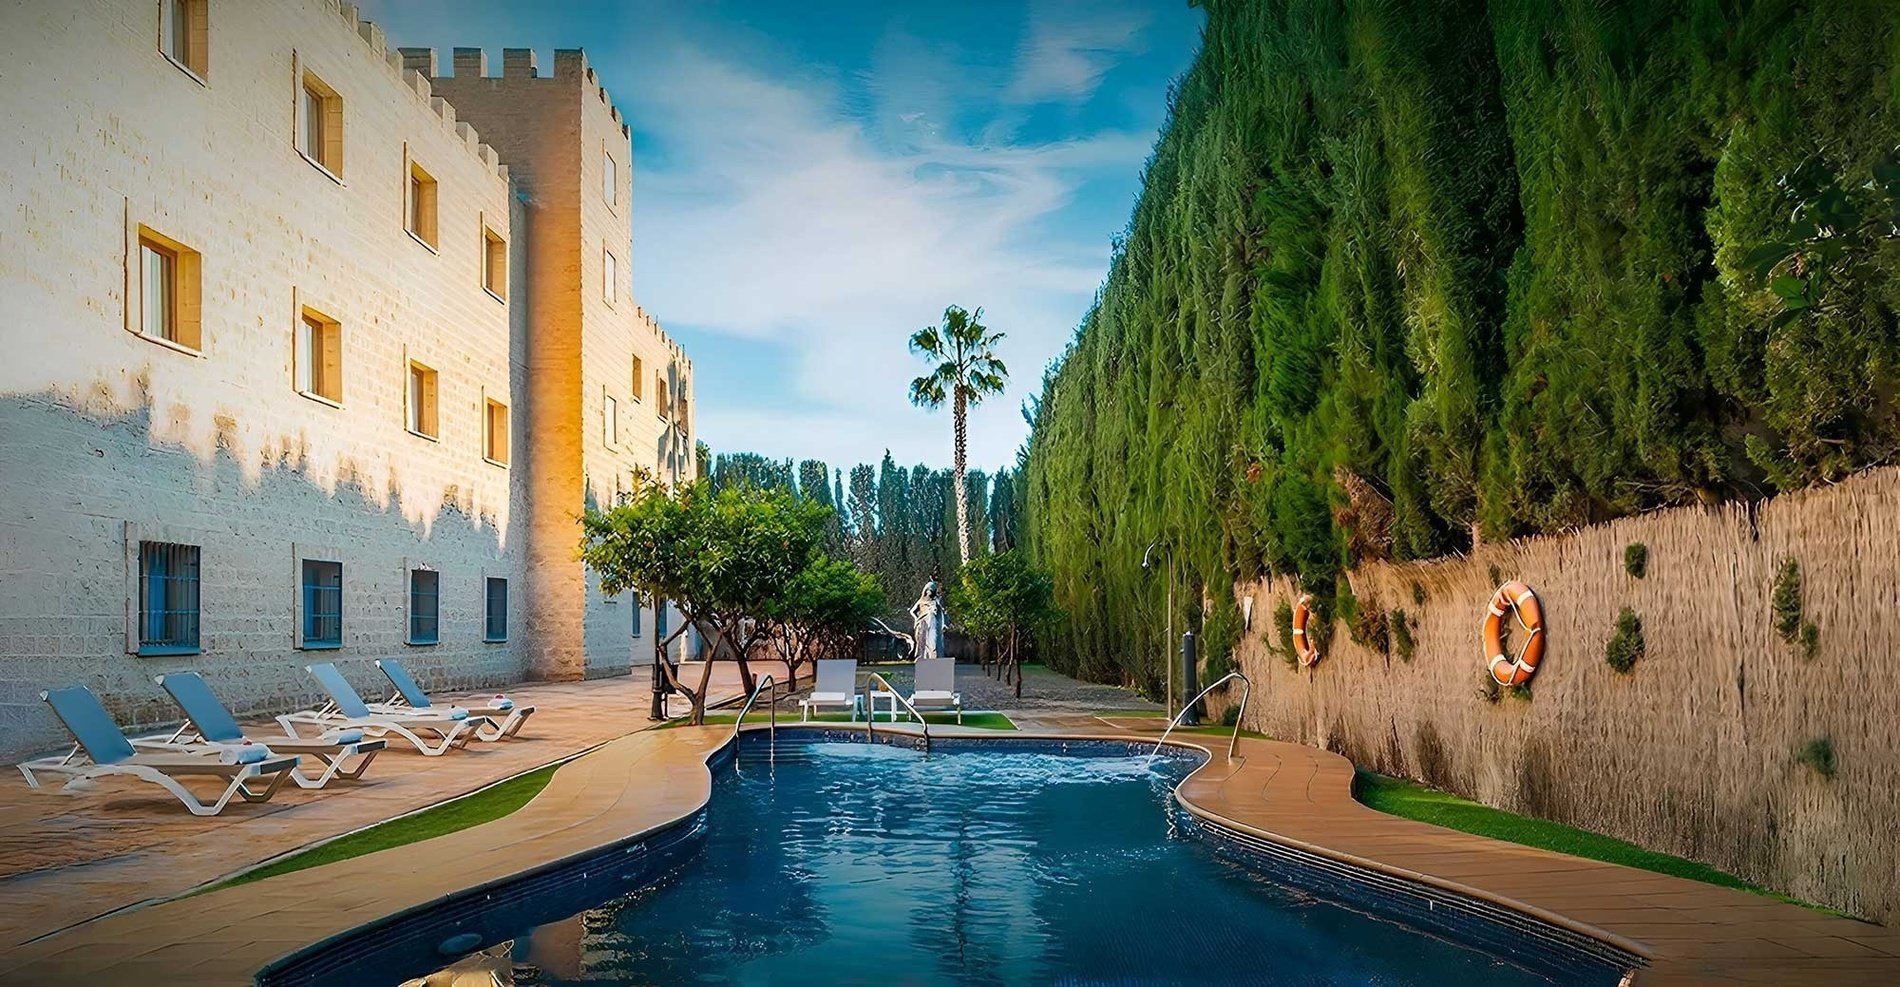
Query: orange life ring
x: 1521, y: 601
x: 1302, y: 645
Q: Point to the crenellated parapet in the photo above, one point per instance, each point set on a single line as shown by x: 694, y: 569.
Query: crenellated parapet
x: 570, y: 65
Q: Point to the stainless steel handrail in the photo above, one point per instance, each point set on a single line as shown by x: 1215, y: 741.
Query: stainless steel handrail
x: 765, y: 680
x: 1245, y: 695
x: 871, y: 722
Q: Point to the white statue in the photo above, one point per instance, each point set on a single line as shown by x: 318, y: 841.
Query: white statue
x: 927, y: 619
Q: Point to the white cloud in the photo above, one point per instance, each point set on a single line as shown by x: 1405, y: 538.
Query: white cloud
x: 1069, y: 47
x: 774, y: 215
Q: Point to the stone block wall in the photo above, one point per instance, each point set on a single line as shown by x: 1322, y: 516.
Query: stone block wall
x: 105, y: 431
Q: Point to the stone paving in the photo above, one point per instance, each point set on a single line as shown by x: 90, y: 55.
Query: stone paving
x: 65, y: 859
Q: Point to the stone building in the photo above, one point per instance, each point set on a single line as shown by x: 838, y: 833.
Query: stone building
x: 312, y: 354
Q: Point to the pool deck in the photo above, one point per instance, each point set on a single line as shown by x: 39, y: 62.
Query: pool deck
x: 66, y: 860
x: 1299, y: 796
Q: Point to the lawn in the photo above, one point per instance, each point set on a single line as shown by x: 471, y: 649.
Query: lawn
x: 484, y: 806
x: 1414, y: 801
x: 984, y: 721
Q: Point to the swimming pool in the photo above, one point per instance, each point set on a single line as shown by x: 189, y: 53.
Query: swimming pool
x: 991, y: 862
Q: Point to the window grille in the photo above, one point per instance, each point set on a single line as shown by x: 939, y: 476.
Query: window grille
x: 322, y: 604
x: 425, y: 606
x: 497, y: 629
x: 168, y: 598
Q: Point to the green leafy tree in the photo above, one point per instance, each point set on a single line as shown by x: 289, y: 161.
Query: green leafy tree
x: 1003, y: 598
x: 966, y: 370
x: 821, y: 612
x: 723, y: 558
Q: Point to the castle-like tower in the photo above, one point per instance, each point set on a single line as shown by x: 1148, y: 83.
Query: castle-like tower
x: 313, y: 355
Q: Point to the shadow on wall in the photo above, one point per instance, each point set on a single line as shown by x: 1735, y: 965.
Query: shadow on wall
x: 70, y: 481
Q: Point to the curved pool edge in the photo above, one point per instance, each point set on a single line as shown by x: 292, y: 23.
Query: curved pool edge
x: 1635, y: 950
x: 1713, y: 934
x: 1460, y: 915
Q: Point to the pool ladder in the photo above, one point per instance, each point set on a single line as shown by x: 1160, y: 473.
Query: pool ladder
x: 871, y: 722
x: 772, y: 750
x: 1246, y: 693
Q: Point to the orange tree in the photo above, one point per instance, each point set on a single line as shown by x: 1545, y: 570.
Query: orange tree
x: 1002, y: 597
x: 722, y: 558
x: 821, y: 611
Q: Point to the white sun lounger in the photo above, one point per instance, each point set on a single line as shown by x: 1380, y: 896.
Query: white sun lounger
x: 346, y: 710
x: 410, y: 700
x: 936, y: 686
x: 836, y: 688
x: 103, y: 751
x: 935, y: 690
x: 207, y: 721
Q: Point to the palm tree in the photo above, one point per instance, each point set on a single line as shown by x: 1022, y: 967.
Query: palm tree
x: 966, y: 372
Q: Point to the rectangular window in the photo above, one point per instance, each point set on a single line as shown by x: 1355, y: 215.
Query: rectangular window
x: 168, y: 598
x: 639, y: 385
x: 494, y: 263
x: 321, y: 136
x: 662, y: 403
x: 495, y: 433
x: 322, y: 604
x: 183, y: 31
x: 497, y: 628
x: 610, y: 287
x: 636, y: 615
x: 320, y: 357
x: 168, y: 290
x: 609, y: 179
x: 610, y: 422
x: 421, y: 218
x: 422, y: 417
x: 425, y: 602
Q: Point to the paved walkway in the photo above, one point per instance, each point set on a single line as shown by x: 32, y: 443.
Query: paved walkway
x: 1693, y: 933
x: 1299, y: 796
x: 68, y: 859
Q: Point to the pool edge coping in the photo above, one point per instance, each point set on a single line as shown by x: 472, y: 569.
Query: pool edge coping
x: 1189, y: 742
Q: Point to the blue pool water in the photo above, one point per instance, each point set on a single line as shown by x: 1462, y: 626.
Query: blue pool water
x: 852, y: 863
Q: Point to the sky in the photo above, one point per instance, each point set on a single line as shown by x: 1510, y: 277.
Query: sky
x: 814, y: 181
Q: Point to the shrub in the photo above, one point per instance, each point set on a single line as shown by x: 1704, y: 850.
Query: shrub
x: 1626, y: 645
x: 1636, y: 559
x: 1497, y: 578
x: 1402, y: 635
x: 1818, y: 754
x: 1283, y: 626
x: 1488, y: 688
x: 1520, y: 692
x: 1230, y: 716
x: 1319, y: 630
x: 1418, y: 593
x: 1373, y: 630
x: 1786, y: 601
x: 1810, y: 640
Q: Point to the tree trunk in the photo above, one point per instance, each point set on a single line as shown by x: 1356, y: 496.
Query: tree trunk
x: 963, y: 495
x: 1016, y: 659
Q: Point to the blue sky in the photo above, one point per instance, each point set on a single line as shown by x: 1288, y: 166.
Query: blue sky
x: 813, y: 181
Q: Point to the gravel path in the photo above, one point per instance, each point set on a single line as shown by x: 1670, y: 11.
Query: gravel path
x: 1043, y: 690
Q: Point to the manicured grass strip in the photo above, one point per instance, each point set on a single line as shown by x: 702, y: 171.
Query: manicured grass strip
x: 1413, y: 801
x: 1127, y: 713
x: 485, y: 806
x: 985, y: 721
